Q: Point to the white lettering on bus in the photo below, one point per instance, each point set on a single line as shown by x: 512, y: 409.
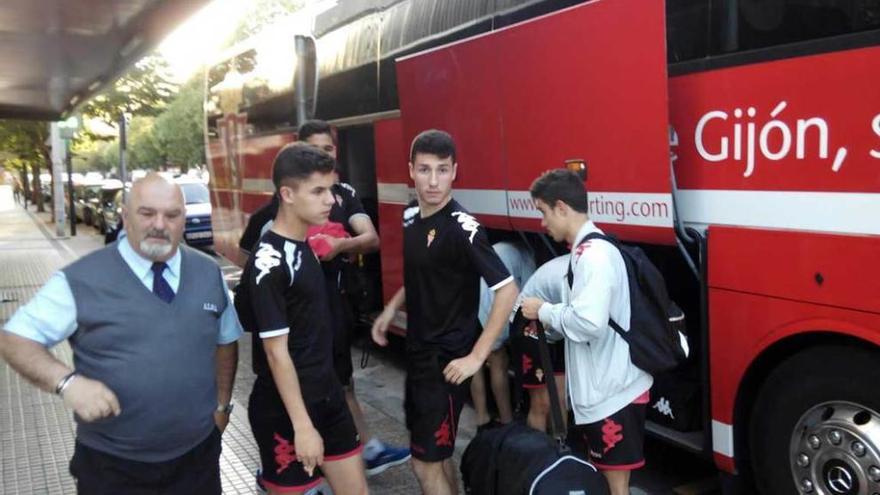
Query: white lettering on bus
x: 722, y: 155
x: 875, y: 124
x: 773, y: 141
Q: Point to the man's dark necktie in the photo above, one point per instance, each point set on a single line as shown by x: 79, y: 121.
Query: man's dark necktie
x: 160, y: 285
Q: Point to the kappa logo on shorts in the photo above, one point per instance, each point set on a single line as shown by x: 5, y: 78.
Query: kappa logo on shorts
x: 267, y: 257
x: 526, y: 363
x: 664, y: 407
x: 445, y: 434
x: 612, y: 434
x: 284, y: 453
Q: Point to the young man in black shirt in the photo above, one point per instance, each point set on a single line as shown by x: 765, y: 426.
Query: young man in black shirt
x: 297, y: 408
x: 445, y: 252
x: 348, y: 212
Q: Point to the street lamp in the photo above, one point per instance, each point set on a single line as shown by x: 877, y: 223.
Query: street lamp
x: 67, y: 130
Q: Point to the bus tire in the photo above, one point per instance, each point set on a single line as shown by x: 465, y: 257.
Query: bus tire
x: 815, y: 425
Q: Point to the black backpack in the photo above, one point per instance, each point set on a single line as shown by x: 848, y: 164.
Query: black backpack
x: 656, y: 336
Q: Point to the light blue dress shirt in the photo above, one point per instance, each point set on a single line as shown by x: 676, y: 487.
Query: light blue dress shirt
x: 50, y: 317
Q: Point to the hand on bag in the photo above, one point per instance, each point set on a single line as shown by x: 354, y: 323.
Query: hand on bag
x: 309, y: 448
x: 459, y: 370
x: 530, y: 307
x: 91, y: 400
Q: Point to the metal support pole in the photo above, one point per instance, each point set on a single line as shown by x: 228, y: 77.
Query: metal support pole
x: 123, y: 173
x: 69, y: 161
x: 57, y: 178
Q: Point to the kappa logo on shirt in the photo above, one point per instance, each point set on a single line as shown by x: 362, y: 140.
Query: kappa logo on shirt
x: 293, y: 257
x: 349, y: 187
x: 581, y: 248
x: 409, y: 215
x: 267, y: 257
x: 468, y: 223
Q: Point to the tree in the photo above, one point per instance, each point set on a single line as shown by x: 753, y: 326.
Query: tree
x: 179, y: 130
x: 26, y: 141
x: 142, y: 91
x: 144, y: 150
x: 261, y: 14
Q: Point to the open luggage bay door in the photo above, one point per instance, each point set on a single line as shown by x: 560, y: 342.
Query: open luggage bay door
x: 582, y: 86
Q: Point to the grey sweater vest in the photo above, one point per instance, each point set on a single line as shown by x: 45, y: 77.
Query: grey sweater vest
x: 158, y: 358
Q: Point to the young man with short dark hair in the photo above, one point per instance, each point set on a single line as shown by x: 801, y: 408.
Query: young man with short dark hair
x: 445, y: 253
x: 608, y: 393
x: 297, y: 408
x: 349, y: 215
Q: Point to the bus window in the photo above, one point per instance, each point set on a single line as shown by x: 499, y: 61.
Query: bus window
x: 698, y: 29
x: 766, y: 23
x: 258, y: 82
x: 687, y: 30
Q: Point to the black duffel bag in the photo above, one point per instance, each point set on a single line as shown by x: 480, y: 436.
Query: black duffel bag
x: 515, y: 459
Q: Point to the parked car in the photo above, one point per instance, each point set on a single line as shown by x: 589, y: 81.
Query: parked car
x: 198, y: 232
x: 86, y: 201
x: 109, y: 206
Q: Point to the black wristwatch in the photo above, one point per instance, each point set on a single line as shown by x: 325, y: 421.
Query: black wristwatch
x: 225, y: 409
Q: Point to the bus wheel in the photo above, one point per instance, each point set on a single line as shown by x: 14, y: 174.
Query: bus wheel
x: 815, y: 426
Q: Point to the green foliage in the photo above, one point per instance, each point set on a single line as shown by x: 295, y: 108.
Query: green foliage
x: 143, y: 148
x: 142, y: 91
x: 179, y: 130
x: 24, y: 143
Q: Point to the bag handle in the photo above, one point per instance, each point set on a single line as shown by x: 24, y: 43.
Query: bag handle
x: 556, y: 424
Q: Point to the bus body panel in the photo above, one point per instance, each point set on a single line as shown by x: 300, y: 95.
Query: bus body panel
x: 806, y: 160
x: 763, y: 289
x: 515, y: 112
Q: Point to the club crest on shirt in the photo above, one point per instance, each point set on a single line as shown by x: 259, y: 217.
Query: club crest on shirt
x: 468, y: 223
x: 431, y: 235
x: 266, y: 258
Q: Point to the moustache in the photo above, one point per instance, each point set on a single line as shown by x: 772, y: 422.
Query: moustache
x: 159, y: 234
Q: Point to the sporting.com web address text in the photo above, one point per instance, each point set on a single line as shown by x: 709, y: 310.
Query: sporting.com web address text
x: 649, y: 209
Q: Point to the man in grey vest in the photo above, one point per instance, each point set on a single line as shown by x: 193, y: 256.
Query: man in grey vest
x: 154, y: 339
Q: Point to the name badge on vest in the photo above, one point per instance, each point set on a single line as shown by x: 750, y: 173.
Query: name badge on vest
x: 210, y: 307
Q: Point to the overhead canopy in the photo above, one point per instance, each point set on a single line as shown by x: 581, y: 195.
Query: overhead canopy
x: 55, y: 54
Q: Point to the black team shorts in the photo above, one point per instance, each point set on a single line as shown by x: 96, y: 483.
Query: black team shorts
x: 433, y: 407
x: 273, y: 432
x: 615, y: 443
